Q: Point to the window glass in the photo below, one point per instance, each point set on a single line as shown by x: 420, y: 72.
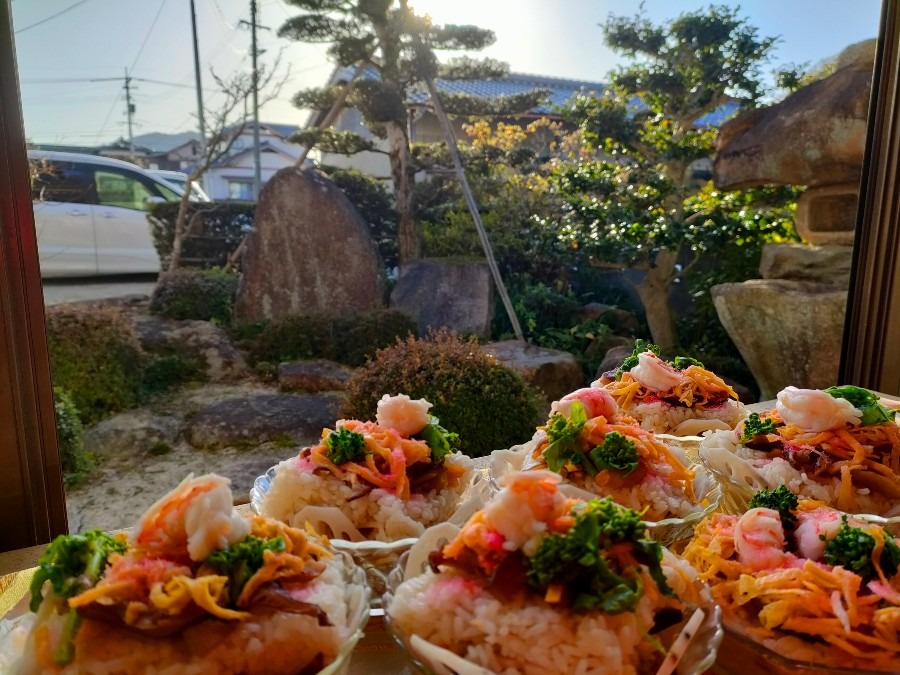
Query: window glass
x: 115, y: 188
x: 239, y: 189
x: 169, y: 194
x: 60, y: 182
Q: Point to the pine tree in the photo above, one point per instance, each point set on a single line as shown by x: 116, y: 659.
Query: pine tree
x: 399, y: 46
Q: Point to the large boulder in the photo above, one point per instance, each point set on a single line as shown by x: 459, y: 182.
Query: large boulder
x: 132, y: 433
x: 789, y: 332
x: 309, y: 252
x: 205, y: 341
x: 801, y: 262
x: 816, y: 136
x: 554, y: 372
x: 451, y: 293
x: 251, y: 420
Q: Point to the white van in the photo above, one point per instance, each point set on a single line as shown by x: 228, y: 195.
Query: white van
x: 91, y: 214
x: 179, y: 179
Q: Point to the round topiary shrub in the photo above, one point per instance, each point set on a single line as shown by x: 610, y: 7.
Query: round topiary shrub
x: 200, y: 295
x: 486, y: 403
x: 96, y: 358
x: 359, y: 337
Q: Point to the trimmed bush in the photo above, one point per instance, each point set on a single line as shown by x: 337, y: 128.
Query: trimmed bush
x: 96, y: 358
x: 486, y: 403
x: 201, y: 295
x: 349, y: 340
x: 359, y: 337
x: 221, y: 229
x: 70, y: 433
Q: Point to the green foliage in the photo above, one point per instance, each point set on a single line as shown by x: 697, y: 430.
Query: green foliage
x: 200, y: 295
x: 240, y: 561
x: 374, y: 203
x: 755, y: 426
x: 333, y: 141
x: 617, y: 453
x: 866, y: 402
x: 486, y: 403
x: 343, y: 445
x: 467, y: 68
x: 853, y: 549
x: 217, y: 228
x: 167, y: 370
x: 96, y: 358
x: 349, y: 340
x: 70, y: 434
x: 780, y: 499
x: 682, y: 362
x: 580, y: 559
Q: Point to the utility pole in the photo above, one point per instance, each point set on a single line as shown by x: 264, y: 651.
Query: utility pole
x: 257, y: 169
x: 200, y: 116
x: 129, y: 112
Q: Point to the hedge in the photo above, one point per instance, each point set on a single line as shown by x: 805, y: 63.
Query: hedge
x: 222, y: 228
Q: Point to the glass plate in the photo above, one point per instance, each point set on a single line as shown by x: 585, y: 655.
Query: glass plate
x: 357, y: 596
x: 741, y: 654
x: 433, y: 660
x: 382, y: 555
x: 668, y: 531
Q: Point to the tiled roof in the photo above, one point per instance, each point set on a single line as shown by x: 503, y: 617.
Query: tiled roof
x: 561, y: 90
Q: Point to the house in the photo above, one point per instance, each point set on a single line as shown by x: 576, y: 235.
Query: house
x: 423, y: 124
x: 232, y: 176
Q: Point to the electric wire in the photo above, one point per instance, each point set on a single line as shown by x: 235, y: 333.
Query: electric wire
x: 149, y: 33
x: 51, y: 17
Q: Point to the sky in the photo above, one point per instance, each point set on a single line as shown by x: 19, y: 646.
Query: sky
x: 72, y: 54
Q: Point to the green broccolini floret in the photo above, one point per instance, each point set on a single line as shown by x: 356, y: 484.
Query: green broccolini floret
x: 852, y: 549
x: 780, y: 499
x: 866, y: 402
x: 640, y: 346
x: 240, y: 561
x: 563, y: 435
x: 441, y: 441
x: 72, y: 564
x: 343, y: 445
x: 755, y: 426
x: 682, y: 362
x: 576, y: 559
x: 617, y: 452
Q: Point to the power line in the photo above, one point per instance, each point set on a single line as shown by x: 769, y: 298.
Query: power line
x: 149, y: 33
x: 51, y: 17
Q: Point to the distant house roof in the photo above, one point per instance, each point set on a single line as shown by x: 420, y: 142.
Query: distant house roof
x: 80, y: 149
x: 157, y: 142
x: 280, y: 130
x: 264, y: 146
x: 561, y: 90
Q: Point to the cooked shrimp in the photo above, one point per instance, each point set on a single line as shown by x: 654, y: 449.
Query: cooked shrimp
x: 402, y: 414
x: 596, y: 402
x: 193, y: 520
x: 759, y: 539
x: 524, y: 510
x: 814, y: 529
x: 654, y: 373
x: 815, y: 410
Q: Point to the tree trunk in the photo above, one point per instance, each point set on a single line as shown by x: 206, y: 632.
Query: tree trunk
x: 654, y: 294
x: 407, y: 230
x: 180, y: 227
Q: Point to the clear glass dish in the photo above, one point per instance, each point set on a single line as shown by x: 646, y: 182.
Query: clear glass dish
x: 667, y: 531
x: 430, y: 659
x: 382, y: 555
x: 741, y: 654
x: 15, y: 626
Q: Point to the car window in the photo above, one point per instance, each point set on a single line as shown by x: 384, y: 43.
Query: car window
x: 67, y: 182
x: 116, y: 188
x: 168, y: 194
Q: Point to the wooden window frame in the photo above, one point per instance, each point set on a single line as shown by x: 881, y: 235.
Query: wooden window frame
x: 871, y: 348
x: 32, y: 501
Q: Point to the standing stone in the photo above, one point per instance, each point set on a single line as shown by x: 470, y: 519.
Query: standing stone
x: 789, y: 332
x: 309, y: 252
x: 803, y: 262
x: 448, y: 293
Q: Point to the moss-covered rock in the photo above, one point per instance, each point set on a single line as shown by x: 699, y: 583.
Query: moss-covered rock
x: 486, y: 403
x: 96, y: 358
